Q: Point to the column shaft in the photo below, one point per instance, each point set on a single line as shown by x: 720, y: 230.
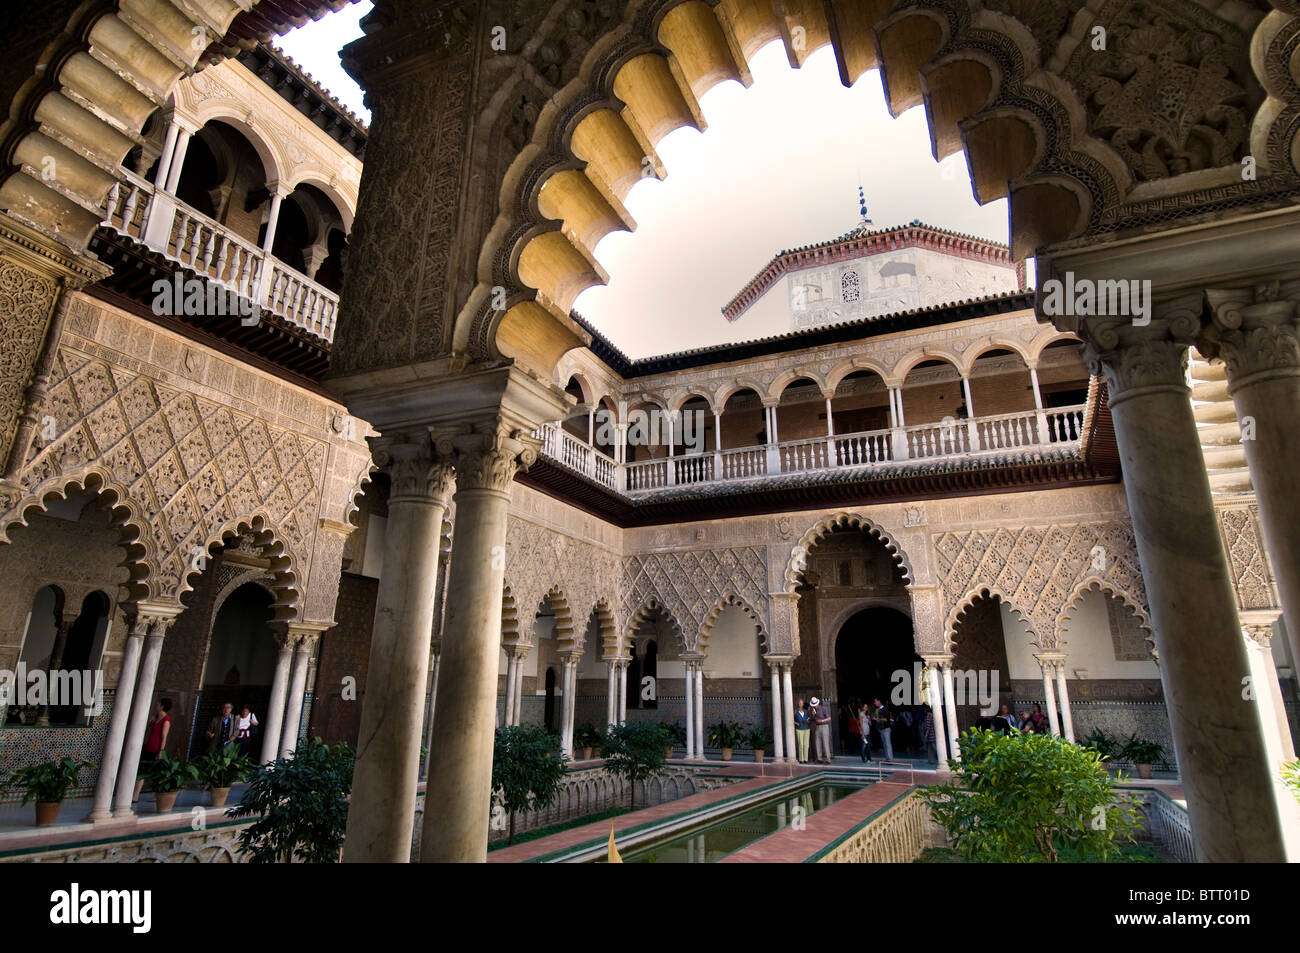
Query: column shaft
x: 699, y: 709
x: 950, y: 711
x: 297, y: 689
x: 512, y: 687
x: 791, y: 751
x: 102, y: 807
x: 1067, y: 722
x: 937, y: 713
x: 1049, y: 695
x: 691, y: 753
x: 778, y: 741
x: 622, y: 693
x: 279, y: 695
x: 141, y: 702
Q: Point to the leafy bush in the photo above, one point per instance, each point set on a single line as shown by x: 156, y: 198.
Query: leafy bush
x: 1108, y: 746
x: 224, y: 767
x: 47, y: 783
x: 757, y: 738
x: 1140, y: 751
x: 527, y: 769
x: 168, y: 774
x: 302, y: 805
x: 1023, y: 797
x: 634, y: 751
x: 726, y: 734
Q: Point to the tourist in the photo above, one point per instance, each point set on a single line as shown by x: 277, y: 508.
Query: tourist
x: 927, y: 730
x: 247, y: 723
x: 864, y: 719
x: 1038, y: 720
x: 884, y: 722
x: 822, y: 719
x: 222, y: 729
x: 802, y: 729
x: 1007, y: 718
x: 160, y: 725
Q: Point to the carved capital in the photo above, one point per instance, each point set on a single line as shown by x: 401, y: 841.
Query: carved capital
x: 1139, y: 358
x: 415, y: 471
x: 489, y: 460
x: 1254, y: 330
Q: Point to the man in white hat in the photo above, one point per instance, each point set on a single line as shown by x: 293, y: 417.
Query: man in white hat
x: 822, y: 724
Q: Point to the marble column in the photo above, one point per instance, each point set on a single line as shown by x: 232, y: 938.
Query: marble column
x: 950, y: 708
x: 392, y: 715
x: 168, y: 151
x: 274, y: 725
x: 570, y: 688
x: 778, y: 736
x: 461, y: 787
x: 304, y: 643
x: 937, y: 715
x: 433, y: 701
x: 787, y: 687
x: 691, y: 753
x: 178, y: 160
x: 1217, y: 736
x: 1258, y: 628
x: 114, y: 741
x: 517, y: 711
x: 699, y: 708
x: 141, y: 704
x: 622, y: 691
x: 611, y: 693
x: 1256, y: 333
x: 1067, y: 722
x: 512, y: 685
x: 1049, y: 694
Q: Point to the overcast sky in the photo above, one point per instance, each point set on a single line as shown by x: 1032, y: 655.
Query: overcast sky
x: 778, y: 167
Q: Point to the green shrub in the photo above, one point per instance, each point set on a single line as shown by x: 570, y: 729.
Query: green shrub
x: 634, y: 751
x: 527, y: 770
x: 726, y: 734
x: 168, y: 774
x: 301, y: 803
x: 47, y: 783
x: 1024, y: 797
x: 224, y: 767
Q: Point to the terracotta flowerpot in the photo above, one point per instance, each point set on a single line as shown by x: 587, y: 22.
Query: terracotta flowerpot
x: 46, y: 812
x: 669, y: 755
x: 726, y: 754
x: 166, y: 801
x: 758, y: 756
x: 586, y: 754
x: 1143, y: 770
x: 219, y: 796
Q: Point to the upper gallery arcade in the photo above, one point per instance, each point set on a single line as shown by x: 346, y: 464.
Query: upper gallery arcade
x: 490, y: 175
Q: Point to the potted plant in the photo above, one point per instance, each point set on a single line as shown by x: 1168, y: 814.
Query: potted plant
x: 167, y: 776
x: 725, y: 735
x: 758, y: 739
x: 1142, y: 753
x: 47, y: 784
x: 587, y: 738
x: 1105, y: 745
x: 674, y: 737
x: 220, y: 770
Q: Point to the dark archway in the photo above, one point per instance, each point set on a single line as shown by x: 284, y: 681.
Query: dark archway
x: 871, y: 650
x: 241, y: 660
x: 77, y: 651
x: 548, y: 716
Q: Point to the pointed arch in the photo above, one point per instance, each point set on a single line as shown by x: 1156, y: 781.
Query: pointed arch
x: 798, y: 559
x: 986, y: 592
x: 284, y: 568
x: 606, y: 627
x: 565, y: 639
x: 509, y: 617
x: 731, y: 599
x: 1106, y: 587
x: 648, y: 608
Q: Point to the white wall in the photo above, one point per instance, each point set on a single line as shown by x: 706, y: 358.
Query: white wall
x: 1088, y: 644
x: 733, y: 650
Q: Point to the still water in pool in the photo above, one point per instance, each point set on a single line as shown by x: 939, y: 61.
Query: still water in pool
x: 713, y: 841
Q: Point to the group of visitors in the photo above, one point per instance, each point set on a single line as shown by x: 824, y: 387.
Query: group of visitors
x: 1033, y: 722
x: 227, y: 728
x: 912, y: 728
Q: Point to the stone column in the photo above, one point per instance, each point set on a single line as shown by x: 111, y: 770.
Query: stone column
x: 699, y: 708
x: 778, y: 741
x: 1049, y: 693
x: 937, y: 714
x: 512, y: 685
x: 1221, y: 752
x: 517, y: 710
x: 1258, y: 628
x: 622, y: 691
x: 691, y: 753
x: 114, y: 742
x: 168, y: 151
x: 392, y: 715
x: 272, y: 219
x: 141, y: 703
x: 433, y: 701
x: 304, y: 642
x: 486, y: 463
x: 950, y: 707
x: 178, y: 160
x: 1256, y: 333
x: 1043, y: 435
x: 279, y: 694
x: 570, y: 687
x: 1067, y: 722
x: 611, y: 693
x: 791, y: 749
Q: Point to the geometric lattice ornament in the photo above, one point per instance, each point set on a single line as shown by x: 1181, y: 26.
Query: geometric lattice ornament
x: 191, y: 470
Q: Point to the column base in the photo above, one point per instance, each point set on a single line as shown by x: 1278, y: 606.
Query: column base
x: 97, y: 818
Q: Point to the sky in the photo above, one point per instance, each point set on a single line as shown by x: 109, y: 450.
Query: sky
x: 778, y: 167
